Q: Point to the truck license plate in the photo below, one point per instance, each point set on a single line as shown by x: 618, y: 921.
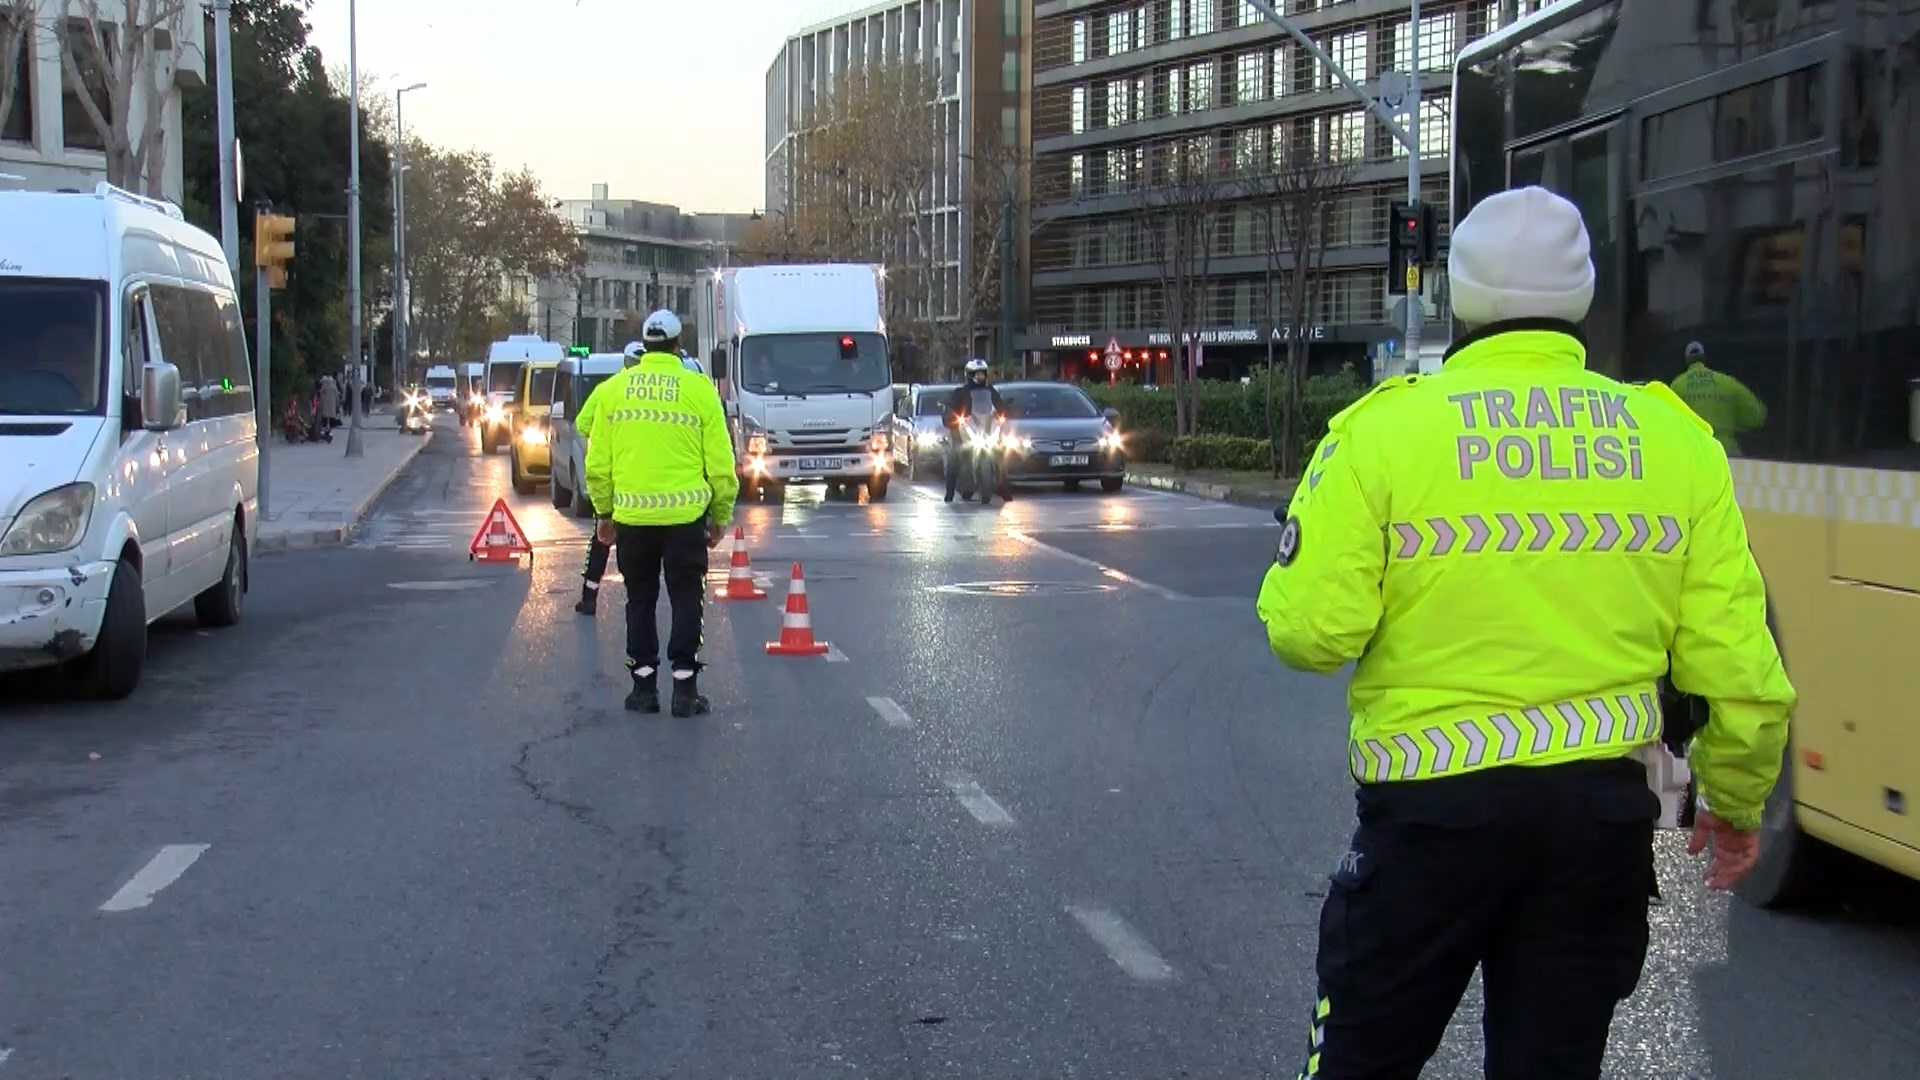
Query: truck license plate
x: 808, y: 464
x: 1069, y: 459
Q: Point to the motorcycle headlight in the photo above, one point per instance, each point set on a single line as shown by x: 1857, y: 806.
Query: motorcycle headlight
x: 50, y: 523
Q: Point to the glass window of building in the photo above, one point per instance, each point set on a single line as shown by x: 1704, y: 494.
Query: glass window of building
x: 1250, y: 78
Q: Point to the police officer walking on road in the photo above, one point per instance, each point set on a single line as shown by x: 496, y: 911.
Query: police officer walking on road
x: 660, y: 474
x: 1514, y: 551
x: 598, y: 550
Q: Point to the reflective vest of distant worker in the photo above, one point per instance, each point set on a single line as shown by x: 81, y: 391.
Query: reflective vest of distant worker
x: 1512, y: 551
x: 1720, y: 399
x: 660, y: 472
x: 597, y: 550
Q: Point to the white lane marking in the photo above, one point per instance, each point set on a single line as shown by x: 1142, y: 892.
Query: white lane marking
x: 1123, y: 943
x: 891, y: 712
x: 5, y: 1053
x: 161, y: 871
x: 835, y: 656
x: 978, y: 803
x: 1160, y: 591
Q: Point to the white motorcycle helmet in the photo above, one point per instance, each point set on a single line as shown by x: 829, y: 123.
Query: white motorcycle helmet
x: 976, y: 366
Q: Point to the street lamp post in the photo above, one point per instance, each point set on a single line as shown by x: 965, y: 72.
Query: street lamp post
x: 402, y: 298
x: 354, y: 447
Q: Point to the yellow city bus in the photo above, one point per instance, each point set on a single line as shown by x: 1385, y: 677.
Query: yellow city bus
x: 1743, y: 172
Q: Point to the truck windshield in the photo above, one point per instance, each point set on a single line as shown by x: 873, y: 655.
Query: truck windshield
x: 504, y: 378
x: 814, y: 363
x: 52, y: 346
x: 440, y: 382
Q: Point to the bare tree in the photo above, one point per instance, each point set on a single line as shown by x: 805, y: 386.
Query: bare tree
x: 1295, y: 202
x: 131, y: 47
x: 1179, y: 225
x: 16, y: 27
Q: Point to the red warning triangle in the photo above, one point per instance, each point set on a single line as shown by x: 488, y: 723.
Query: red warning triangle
x: 500, y: 537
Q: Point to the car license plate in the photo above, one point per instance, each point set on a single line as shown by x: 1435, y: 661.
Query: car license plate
x: 1060, y: 460
x: 808, y: 464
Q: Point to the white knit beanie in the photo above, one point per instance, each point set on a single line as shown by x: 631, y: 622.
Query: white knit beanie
x: 1520, y: 255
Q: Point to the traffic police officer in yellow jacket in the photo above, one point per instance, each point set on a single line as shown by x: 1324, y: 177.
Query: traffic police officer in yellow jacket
x: 598, y: 550
x: 661, y: 476
x: 1514, y: 551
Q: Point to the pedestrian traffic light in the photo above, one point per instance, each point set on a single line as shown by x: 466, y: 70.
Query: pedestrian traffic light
x: 1410, y: 243
x: 273, y: 246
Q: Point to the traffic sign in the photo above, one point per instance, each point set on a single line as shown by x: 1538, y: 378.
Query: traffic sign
x: 1113, y: 354
x: 1413, y: 278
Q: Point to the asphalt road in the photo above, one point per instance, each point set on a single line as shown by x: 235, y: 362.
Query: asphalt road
x: 1051, y: 810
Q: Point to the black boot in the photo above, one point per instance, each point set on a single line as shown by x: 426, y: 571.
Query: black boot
x: 589, y: 600
x: 645, y: 697
x: 687, y: 700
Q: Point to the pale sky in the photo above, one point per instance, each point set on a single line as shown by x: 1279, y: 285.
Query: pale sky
x: 587, y: 91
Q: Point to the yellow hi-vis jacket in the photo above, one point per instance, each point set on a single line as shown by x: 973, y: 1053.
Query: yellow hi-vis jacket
x: 590, y: 408
x: 1512, y: 549
x: 1721, y: 400
x: 659, y: 452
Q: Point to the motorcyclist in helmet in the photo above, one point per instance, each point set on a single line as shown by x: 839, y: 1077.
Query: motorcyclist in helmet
x: 959, y: 407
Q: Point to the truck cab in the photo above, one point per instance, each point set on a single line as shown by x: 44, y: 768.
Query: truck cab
x: 800, y: 357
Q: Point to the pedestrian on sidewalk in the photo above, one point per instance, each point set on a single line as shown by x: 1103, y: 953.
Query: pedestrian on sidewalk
x: 598, y: 549
x: 1461, y: 536
x: 660, y: 474
x: 329, y: 404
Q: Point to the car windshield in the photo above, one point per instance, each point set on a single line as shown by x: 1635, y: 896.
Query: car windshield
x: 540, y: 387
x: 52, y: 343
x: 1048, y: 403
x: 814, y: 363
x: 933, y: 401
x: 504, y: 378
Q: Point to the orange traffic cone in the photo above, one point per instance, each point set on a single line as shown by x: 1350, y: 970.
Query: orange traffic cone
x: 796, y: 629
x: 739, y: 584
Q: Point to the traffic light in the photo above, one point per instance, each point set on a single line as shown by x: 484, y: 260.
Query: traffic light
x: 1410, y: 244
x: 273, y: 246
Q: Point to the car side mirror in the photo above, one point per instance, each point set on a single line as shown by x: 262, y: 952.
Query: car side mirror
x: 718, y: 361
x: 1112, y: 414
x: 557, y: 411
x: 161, y: 406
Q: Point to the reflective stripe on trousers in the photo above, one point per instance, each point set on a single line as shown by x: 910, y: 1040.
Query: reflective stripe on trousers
x: 1504, y: 738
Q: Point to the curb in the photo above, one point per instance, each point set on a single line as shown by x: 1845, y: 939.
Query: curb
x: 1205, y: 489
x: 336, y: 535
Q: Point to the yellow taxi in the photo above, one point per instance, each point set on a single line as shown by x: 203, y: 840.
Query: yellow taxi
x: 530, y: 456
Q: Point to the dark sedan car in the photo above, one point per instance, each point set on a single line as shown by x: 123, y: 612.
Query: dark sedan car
x: 1057, y: 434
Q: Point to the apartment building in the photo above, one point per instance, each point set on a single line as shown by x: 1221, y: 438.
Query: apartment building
x: 977, y: 52
x: 641, y: 256
x: 47, y: 140
x: 1120, y: 84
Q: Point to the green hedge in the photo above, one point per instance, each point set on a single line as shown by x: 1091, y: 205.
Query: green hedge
x: 1226, y: 408
x: 1220, y: 452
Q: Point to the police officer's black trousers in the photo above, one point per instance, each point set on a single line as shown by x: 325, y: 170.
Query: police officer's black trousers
x: 1539, y: 877
x: 645, y: 552
x: 597, y: 554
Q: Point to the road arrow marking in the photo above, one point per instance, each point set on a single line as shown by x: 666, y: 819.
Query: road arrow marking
x: 161, y: 871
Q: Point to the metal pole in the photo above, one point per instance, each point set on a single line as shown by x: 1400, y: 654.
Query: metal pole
x: 1006, y: 283
x: 1415, y: 316
x: 263, y: 386
x: 354, y: 448
x: 397, y: 342
x: 223, y: 72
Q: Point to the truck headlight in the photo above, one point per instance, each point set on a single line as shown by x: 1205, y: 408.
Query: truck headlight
x: 52, y: 522
x: 756, y: 443
x: 881, y: 442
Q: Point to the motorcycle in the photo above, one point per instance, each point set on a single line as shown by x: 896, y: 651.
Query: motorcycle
x: 984, y: 441
x: 416, y: 415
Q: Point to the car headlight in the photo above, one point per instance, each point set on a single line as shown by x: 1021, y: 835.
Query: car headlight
x: 1112, y: 440
x: 533, y: 436
x: 1019, y: 442
x: 927, y: 438
x: 51, y: 522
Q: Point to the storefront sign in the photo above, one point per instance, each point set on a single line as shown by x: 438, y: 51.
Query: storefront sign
x: 1243, y: 335
x: 1070, y: 341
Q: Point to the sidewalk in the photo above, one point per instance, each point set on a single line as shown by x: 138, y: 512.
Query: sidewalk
x: 1256, y: 488
x: 318, y: 494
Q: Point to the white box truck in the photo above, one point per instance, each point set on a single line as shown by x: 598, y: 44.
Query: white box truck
x: 799, y: 354
x: 442, y: 388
